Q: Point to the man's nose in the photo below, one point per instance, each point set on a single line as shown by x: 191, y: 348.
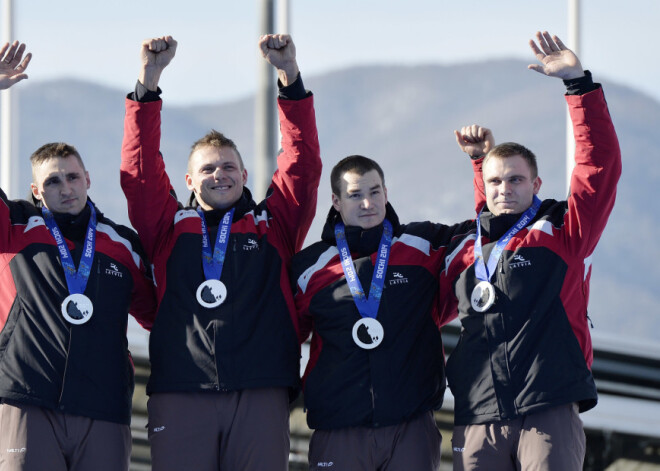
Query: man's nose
x: 66, y: 188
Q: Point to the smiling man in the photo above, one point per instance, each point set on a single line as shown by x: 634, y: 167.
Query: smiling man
x: 215, y: 172
x: 520, y: 374
x: 68, y: 278
x: 368, y: 293
x: 224, y: 355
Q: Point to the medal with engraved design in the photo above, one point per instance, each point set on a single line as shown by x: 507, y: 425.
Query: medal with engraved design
x: 211, y: 293
x: 77, y: 308
x: 368, y: 333
x: 483, y: 296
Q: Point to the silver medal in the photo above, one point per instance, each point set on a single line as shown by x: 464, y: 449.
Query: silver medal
x: 77, y: 308
x: 368, y: 333
x: 211, y: 293
x: 483, y: 296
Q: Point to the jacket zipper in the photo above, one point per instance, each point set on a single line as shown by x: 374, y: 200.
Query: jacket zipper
x: 66, y: 367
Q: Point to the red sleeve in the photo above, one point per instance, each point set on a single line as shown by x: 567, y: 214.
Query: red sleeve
x: 143, y: 298
x: 478, y: 183
x: 295, y: 183
x: 596, y: 173
x: 150, y: 197
x: 8, y: 290
x: 5, y: 222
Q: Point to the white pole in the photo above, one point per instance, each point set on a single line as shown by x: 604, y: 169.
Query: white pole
x: 573, y: 44
x: 265, y: 116
x: 282, y: 22
x: 5, y: 110
x: 283, y: 17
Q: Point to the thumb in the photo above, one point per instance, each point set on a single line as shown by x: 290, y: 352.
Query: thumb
x: 17, y: 78
x: 538, y: 68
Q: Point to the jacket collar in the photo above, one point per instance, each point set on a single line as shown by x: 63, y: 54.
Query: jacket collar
x: 361, y: 241
x: 494, y: 227
x: 244, y: 205
x: 73, y: 226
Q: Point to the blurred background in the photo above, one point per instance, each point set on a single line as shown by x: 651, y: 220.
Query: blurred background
x: 391, y: 81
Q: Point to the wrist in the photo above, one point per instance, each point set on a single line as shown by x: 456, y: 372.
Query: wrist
x: 288, y: 74
x: 149, y: 77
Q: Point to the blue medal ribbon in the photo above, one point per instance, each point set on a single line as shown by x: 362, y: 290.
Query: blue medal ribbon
x: 213, y: 261
x: 485, y: 273
x: 76, y: 279
x: 366, y: 307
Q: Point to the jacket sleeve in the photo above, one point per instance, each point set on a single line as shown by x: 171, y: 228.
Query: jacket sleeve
x: 456, y: 260
x: 478, y: 184
x: 596, y: 173
x: 143, y: 297
x: 151, y: 200
x: 293, y: 191
x: 303, y: 319
x: 5, y: 222
x: 305, y: 323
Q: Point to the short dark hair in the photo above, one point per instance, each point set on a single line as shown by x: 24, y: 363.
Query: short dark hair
x: 218, y: 140
x: 54, y: 150
x: 509, y: 149
x: 353, y: 163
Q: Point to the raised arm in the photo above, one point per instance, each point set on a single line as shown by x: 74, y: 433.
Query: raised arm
x: 597, y: 153
x: 293, y: 192
x: 12, y: 69
x: 151, y: 200
x: 476, y: 141
x: 11, y: 72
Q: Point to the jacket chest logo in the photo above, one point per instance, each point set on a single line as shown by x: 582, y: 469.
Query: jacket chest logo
x: 519, y: 261
x: 398, y: 279
x: 114, y: 271
x: 251, y: 245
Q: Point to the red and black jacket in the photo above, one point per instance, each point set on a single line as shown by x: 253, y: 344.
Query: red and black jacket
x: 344, y: 385
x: 532, y: 350
x: 44, y: 360
x: 249, y: 341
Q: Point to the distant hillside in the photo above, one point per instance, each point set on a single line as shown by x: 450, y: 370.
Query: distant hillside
x: 404, y: 118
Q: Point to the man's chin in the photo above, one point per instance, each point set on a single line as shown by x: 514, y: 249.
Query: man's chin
x: 369, y: 222
x: 222, y: 203
x: 72, y: 209
x: 509, y: 208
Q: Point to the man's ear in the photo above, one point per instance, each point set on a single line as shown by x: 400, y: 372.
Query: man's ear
x: 189, y: 183
x: 336, y: 202
x: 537, y: 185
x: 35, y: 191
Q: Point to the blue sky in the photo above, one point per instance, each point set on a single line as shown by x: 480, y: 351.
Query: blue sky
x: 217, y: 56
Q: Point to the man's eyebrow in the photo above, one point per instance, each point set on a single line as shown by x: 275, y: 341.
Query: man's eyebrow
x: 354, y: 190
x: 508, y: 177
